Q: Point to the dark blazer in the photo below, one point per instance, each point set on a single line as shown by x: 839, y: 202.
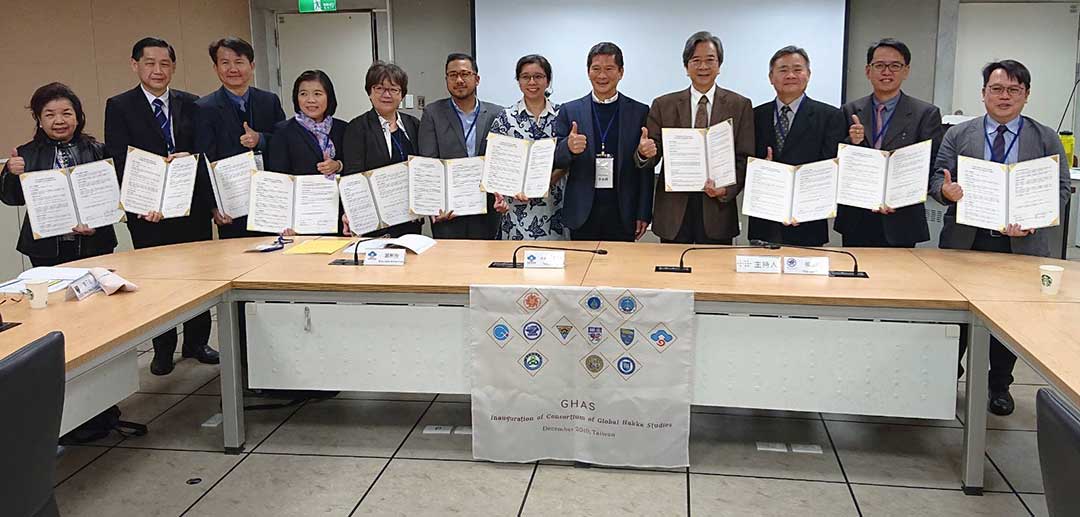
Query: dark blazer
x: 633, y: 183
x: 365, y: 143
x: 814, y: 134
x: 721, y: 215
x: 967, y: 139
x: 912, y: 122
x: 40, y: 156
x: 129, y: 120
x: 293, y: 150
x: 218, y: 129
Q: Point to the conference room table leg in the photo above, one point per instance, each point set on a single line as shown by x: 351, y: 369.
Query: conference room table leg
x: 232, y: 396
x: 978, y: 365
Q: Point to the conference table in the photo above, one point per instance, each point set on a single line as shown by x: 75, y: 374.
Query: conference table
x: 275, y: 301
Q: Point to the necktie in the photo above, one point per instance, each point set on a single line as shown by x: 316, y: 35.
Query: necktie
x: 997, y: 151
x: 701, y: 119
x: 880, y: 126
x: 783, y: 126
x: 163, y: 125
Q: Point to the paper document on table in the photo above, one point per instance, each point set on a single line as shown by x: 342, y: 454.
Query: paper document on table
x: 321, y: 246
x: 59, y: 278
x: 412, y: 242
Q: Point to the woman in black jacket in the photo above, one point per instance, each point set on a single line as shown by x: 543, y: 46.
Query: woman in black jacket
x: 312, y: 142
x: 59, y: 142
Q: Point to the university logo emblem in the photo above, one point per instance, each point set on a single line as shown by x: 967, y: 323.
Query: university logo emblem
x: 627, y: 336
x: 660, y: 338
x: 593, y: 302
x: 564, y: 330
x: 626, y: 365
x: 627, y: 304
x: 594, y: 363
x: 532, y: 301
x: 532, y: 331
x: 500, y: 332
x: 791, y: 262
x: 596, y: 334
x: 372, y: 254
x: 532, y: 361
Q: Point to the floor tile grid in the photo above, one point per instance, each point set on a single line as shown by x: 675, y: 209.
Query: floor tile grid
x: 840, y: 462
x: 147, y: 423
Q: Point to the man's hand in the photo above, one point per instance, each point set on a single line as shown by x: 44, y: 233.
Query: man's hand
x: 501, y: 206
x: 83, y: 229
x: 173, y: 156
x: 712, y: 191
x: 884, y: 210
x: 639, y: 229
x: 250, y: 138
x: 288, y: 232
x: 951, y: 191
x: 153, y: 217
x: 1013, y: 230
x: 345, y: 223
x: 220, y: 218
x: 443, y: 216
x: 646, y: 146
x: 856, y: 132
x: 576, y: 142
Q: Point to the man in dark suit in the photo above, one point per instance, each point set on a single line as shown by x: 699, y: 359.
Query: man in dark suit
x: 895, y: 120
x: 160, y: 120
x: 603, y: 143
x: 710, y: 216
x: 794, y: 129
x: 1002, y: 135
x: 457, y: 127
x: 233, y: 119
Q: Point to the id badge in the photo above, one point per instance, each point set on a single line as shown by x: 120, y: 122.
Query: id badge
x: 605, y: 171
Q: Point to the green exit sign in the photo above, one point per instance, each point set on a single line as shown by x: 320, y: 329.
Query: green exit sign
x: 317, y: 6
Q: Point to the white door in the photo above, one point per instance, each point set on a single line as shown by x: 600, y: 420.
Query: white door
x: 1047, y: 47
x: 339, y: 44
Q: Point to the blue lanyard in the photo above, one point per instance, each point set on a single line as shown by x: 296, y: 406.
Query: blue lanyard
x: 476, y: 116
x: 1011, y: 144
x: 884, y: 127
x: 604, y: 132
x: 397, y: 145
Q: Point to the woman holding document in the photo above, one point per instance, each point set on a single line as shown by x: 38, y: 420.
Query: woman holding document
x: 531, y: 118
x: 382, y: 136
x: 312, y: 142
x: 59, y: 143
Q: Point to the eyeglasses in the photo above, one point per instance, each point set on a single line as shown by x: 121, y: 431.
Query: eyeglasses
x: 465, y: 76
x: 708, y: 62
x: 893, y: 66
x: 525, y: 78
x: 379, y: 90
x: 998, y: 89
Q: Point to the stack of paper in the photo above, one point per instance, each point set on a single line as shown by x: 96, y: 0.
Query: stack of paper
x: 412, y: 242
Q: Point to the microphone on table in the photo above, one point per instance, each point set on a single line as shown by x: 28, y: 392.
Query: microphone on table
x: 355, y: 257
x: 854, y: 273
x: 514, y: 264
x: 682, y: 268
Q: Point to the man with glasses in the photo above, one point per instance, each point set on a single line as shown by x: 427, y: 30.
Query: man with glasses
x: 1002, y: 135
x: 888, y: 119
x: 710, y: 216
x: 457, y: 127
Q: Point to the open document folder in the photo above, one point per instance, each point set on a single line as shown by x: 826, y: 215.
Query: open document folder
x: 412, y: 242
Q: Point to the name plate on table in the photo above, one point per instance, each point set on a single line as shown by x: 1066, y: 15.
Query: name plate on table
x: 806, y: 265
x: 385, y: 257
x: 82, y: 288
x: 545, y: 259
x: 757, y: 264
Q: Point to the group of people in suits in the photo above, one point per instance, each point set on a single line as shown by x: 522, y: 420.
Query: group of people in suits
x: 608, y: 145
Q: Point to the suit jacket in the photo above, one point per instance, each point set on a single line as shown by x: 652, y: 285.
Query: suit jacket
x: 968, y: 139
x: 721, y: 214
x: 40, y: 156
x: 814, y: 134
x: 633, y: 182
x: 365, y: 142
x: 912, y: 122
x: 129, y: 121
x: 294, y: 150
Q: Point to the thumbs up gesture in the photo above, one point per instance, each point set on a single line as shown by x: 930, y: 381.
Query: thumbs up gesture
x: 856, y: 133
x: 950, y: 190
x: 16, y: 165
x: 646, y: 146
x: 576, y: 142
x: 250, y: 138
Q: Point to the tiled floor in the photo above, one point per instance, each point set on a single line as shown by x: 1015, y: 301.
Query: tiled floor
x: 368, y: 454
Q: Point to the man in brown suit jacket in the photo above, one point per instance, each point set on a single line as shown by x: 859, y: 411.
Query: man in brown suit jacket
x: 710, y: 216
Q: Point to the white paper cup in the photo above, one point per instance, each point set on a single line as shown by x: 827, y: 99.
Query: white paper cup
x: 1050, y: 278
x: 39, y: 293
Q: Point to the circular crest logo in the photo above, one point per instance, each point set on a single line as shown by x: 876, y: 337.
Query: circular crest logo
x: 593, y: 302
x: 791, y: 262
x: 532, y: 301
x: 626, y: 365
x: 532, y: 361
x: 627, y: 304
x: 500, y: 332
x: 532, y: 331
x: 1046, y: 280
x: 594, y: 363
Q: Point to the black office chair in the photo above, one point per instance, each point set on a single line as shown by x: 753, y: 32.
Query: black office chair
x: 1059, y: 453
x: 32, y: 401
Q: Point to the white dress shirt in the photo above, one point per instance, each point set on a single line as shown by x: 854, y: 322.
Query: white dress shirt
x: 164, y: 99
x: 695, y: 97
x: 608, y: 101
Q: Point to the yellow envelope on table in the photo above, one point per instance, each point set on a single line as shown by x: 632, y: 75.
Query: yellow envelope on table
x: 322, y: 246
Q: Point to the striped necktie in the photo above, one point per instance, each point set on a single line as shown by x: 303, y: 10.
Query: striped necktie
x: 163, y: 125
x: 782, y: 127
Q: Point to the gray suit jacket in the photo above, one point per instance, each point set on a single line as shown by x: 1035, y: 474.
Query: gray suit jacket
x: 441, y: 135
x: 967, y: 139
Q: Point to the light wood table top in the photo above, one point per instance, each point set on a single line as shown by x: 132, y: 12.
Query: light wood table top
x: 99, y: 323
x: 988, y: 276
x: 206, y: 260
x: 1047, y: 335
x: 897, y: 278
x: 449, y: 267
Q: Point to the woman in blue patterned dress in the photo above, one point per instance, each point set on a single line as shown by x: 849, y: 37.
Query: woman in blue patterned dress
x: 531, y: 118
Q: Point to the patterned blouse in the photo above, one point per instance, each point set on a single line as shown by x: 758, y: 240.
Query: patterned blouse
x: 536, y: 219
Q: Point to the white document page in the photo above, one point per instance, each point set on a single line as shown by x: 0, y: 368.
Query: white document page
x: 986, y: 189
x: 413, y: 242
x: 390, y: 188
x: 768, y: 190
x: 861, y: 176
x: 270, y: 206
x: 144, y: 181
x: 814, y: 193
x: 231, y: 180
x: 359, y: 204
x: 685, y: 162
x: 538, y: 170
x: 908, y: 175
x: 315, y: 205
x: 505, y: 164
x: 463, y: 193
x: 179, y: 186
x: 720, y: 143
x: 49, y: 203
x: 97, y: 193
x: 427, y: 185
x: 1033, y: 193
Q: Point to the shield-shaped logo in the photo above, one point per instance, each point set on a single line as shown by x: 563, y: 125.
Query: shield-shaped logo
x: 596, y: 333
x: 564, y: 330
x: 627, y: 336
